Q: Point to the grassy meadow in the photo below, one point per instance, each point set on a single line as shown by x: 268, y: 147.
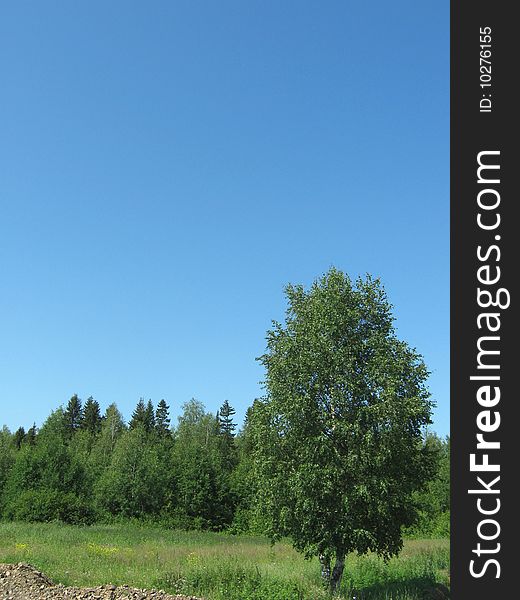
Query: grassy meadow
x: 213, y: 565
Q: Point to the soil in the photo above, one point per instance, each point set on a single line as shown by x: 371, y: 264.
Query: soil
x: 24, y: 582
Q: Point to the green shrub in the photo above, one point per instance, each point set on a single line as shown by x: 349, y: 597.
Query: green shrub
x: 442, y: 525
x: 46, y: 505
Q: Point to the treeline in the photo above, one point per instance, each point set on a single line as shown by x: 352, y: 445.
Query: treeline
x: 83, y: 466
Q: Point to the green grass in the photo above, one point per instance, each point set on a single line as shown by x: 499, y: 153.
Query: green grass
x: 215, y: 566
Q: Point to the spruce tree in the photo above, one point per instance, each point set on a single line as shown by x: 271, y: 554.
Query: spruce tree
x: 149, y: 418
x: 226, y: 433
x: 19, y: 437
x: 139, y: 415
x: 162, y: 419
x: 73, y: 415
x: 225, y: 418
x: 91, y: 420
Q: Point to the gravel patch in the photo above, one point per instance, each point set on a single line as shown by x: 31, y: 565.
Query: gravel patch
x: 23, y: 582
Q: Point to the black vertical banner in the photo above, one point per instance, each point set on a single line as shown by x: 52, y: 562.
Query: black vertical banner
x: 485, y: 236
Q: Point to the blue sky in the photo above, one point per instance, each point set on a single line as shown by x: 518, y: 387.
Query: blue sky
x: 167, y: 167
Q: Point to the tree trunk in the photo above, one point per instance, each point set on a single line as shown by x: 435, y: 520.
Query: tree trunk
x: 325, y: 569
x: 337, y: 572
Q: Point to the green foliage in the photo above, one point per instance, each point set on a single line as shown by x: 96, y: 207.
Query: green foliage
x: 7, y: 457
x: 244, y: 484
x: 136, y: 482
x: 143, y: 416
x: 30, y: 437
x: 338, y: 438
x: 225, y: 419
x: 98, y: 454
x: 433, y: 501
x: 73, y: 415
x: 227, y: 445
x: 19, y: 437
x: 162, y: 419
x: 44, y: 505
x: 203, y: 494
x: 201, y: 478
x: 54, y: 428
x: 91, y: 421
x: 149, y: 419
x: 138, y: 416
x: 46, y: 477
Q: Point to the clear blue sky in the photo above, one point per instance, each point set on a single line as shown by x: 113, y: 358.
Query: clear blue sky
x: 167, y: 167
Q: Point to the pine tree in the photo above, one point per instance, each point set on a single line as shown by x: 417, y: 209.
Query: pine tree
x: 162, y: 419
x: 73, y: 415
x: 91, y: 420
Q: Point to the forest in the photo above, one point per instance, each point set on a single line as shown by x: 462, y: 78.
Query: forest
x: 85, y: 465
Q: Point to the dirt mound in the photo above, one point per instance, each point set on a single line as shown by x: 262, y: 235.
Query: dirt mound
x: 23, y: 582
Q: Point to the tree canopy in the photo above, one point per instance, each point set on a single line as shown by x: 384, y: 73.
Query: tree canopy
x: 338, y: 437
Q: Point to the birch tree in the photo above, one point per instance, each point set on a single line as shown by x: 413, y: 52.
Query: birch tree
x: 337, y: 443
